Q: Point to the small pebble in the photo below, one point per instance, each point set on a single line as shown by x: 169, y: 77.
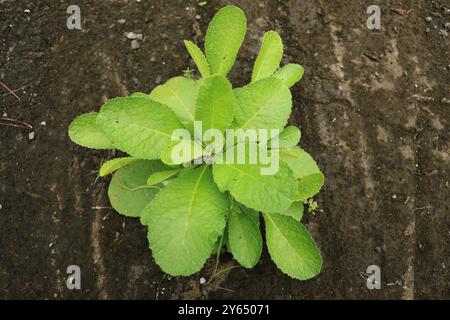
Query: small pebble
x: 134, y: 44
x: 1, y: 207
x: 132, y: 35
x: 27, y: 11
x: 129, y: 35
x: 152, y: 59
x: 443, y: 33
x: 429, y: 19
x: 394, y: 196
x: 447, y: 25
x: 121, y: 21
x: 198, y: 17
x: 43, y: 123
x: 5, y: 115
x: 427, y: 30
x: 31, y: 135
x: 202, y: 280
x: 378, y: 249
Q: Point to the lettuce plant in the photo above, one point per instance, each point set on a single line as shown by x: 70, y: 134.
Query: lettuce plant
x: 195, y: 205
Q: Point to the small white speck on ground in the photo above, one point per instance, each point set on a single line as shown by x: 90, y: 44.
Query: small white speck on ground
x: 202, y: 280
x: 51, y: 245
x: 134, y: 44
x: 31, y: 135
x: 133, y: 35
x: 121, y: 21
x: 43, y: 123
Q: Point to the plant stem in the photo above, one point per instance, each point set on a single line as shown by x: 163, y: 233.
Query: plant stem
x: 137, y: 188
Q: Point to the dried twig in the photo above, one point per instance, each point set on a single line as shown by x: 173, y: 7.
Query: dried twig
x: 100, y: 208
x: 16, y: 123
x: 9, y: 90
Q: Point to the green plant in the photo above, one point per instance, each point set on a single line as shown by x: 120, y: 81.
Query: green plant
x: 193, y: 209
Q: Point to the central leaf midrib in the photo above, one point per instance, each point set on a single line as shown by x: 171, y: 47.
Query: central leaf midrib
x: 138, y: 126
x: 246, y: 240
x: 244, y: 126
x: 191, y: 202
x: 223, y: 49
x: 289, y: 243
x: 263, y: 59
x: 181, y: 102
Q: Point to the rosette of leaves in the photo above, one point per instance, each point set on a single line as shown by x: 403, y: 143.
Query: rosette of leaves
x: 193, y: 209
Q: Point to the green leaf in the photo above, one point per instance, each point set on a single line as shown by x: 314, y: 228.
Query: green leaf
x: 161, y: 176
x: 288, y: 138
x: 184, y: 221
x: 236, y: 91
x: 114, y: 164
x: 291, y: 247
x: 140, y: 95
x: 300, y: 162
x: 220, y: 242
x: 180, y: 95
x: 247, y: 184
x: 305, y: 169
x: 84, y: 131
x: 265, y: 104
x: 309, y: 186
x: 269, y: 56
x: 181, y: 152
x: 224, y: 37
x: 139, y: 126
x: 199, y: 58
x: 295, y: 211
x: 215, y: 104
x: 290, y: 74
x: 128, y: 192
x: 244, y: 236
